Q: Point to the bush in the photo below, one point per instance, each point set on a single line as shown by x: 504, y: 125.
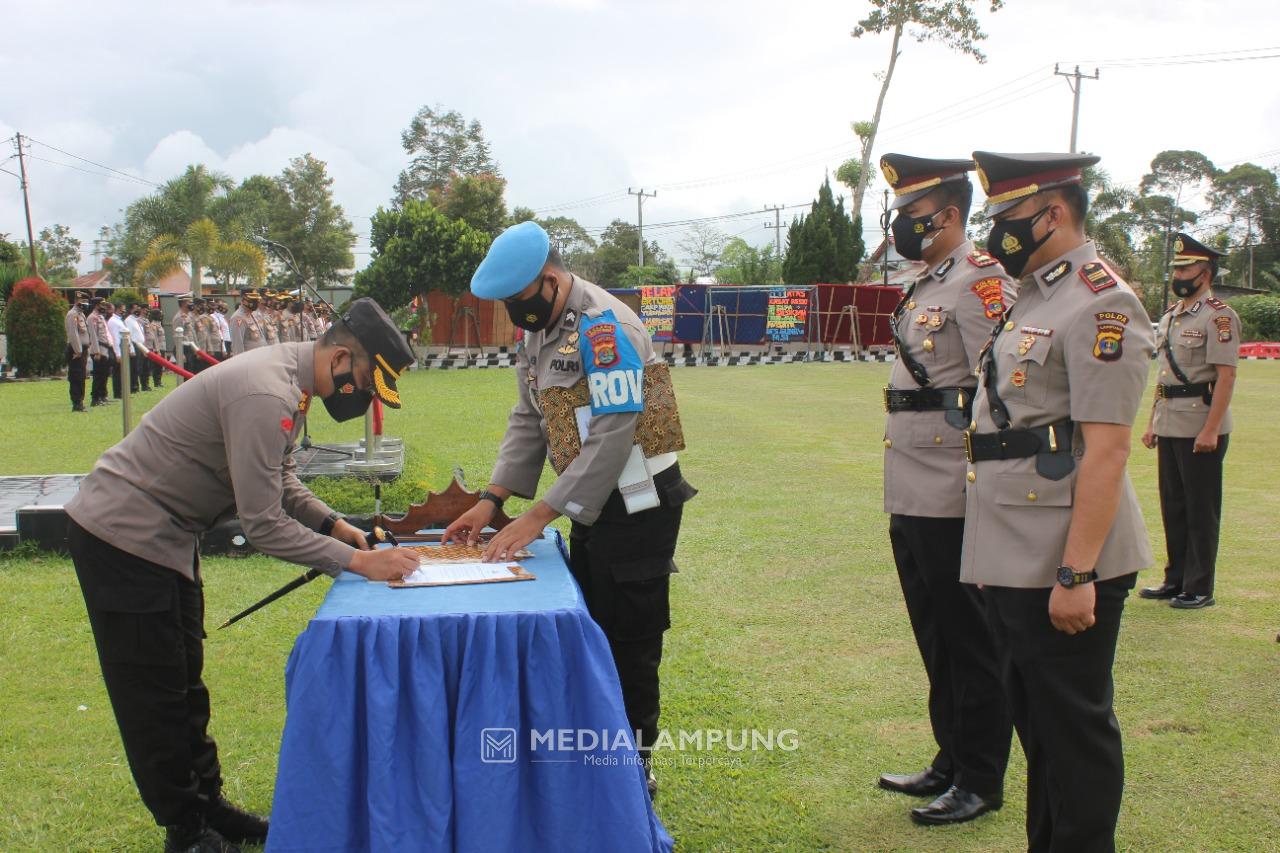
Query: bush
x: 125, y: 295
x: 34, y: 325
x: 1259, y: 317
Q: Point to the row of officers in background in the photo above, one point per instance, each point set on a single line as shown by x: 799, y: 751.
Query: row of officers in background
x: 95, y: 326
x: 1014, y: 526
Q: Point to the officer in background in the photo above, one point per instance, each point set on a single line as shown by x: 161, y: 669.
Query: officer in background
x: 245, y: 332
x: 134, y: 542
x: 1198, y: 349
x: 185, y: 320
x: 292, y: 325
x: 224, y: 329
x: 584, y: 349
x: 78, y: 343
x: 942, y: 322
x: 100, y: 352
x: 1052, y: 525
x: 157, y: 342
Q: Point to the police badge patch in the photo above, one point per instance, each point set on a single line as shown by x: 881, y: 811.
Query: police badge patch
x: 991, y: 292
x: 1224, y: 329
x: 604, y: 344
x: 1109, y: 344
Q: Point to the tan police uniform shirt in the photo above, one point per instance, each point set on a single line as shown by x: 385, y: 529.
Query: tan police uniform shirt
x: 158, y: 335
x: 1202, y: 336
x: 943, y: 324
x: 219, y: 444
x: 291, y: 328
x: 246, y: 334
x: 77, y: 331
x: 554, y: 358
x: 270, y: 325
x: 1076, y: 345
x: 99, y: 335
x: 185, y: 322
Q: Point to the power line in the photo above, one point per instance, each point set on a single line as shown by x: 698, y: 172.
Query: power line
x: 87, y: 171
x: 93, y: 163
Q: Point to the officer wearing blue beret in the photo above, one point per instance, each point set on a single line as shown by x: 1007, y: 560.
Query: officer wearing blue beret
x: 595, y: 398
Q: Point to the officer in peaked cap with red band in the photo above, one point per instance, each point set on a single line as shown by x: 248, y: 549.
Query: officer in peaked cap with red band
x: 618, y: 478
x: 1053, y: 531
x: 1198, y: 349
x: 939, y: 327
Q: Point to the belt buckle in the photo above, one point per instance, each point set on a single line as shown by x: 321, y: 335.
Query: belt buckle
x: 886, y: 398
x: 968, y: 445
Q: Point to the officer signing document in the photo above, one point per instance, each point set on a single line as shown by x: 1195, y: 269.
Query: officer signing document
x: 220, y: 444
x: 595, y: 399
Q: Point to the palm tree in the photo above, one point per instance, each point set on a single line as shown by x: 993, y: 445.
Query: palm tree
x: 178, y: 207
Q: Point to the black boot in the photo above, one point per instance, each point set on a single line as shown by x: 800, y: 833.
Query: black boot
x: 234, y: 823
x: 192, y: 835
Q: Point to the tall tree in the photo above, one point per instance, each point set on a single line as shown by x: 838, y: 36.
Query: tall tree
x: 475, y: 199
x: 172, y: 210
x: 441, y: 144
x: 61, y: 253
x: 824, y: 246
x: 245, y: 210
x: 952, y: 23
x: 703, y: 245
x: 1249, y: 196
x: 570, y: 239
x: 305, y: 218
x: 744, y: 264
x: 618, y: 249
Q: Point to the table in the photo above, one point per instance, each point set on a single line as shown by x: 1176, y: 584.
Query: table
x: 389, y: 693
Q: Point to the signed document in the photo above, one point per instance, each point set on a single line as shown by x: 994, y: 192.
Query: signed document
x: 455, y: 574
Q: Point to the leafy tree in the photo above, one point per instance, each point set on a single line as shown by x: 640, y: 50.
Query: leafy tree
x: 305, y: 218
x: 952, y: 23
x: 238, y: 263
x: 702, y: 245
x: 475, y: 199
x: 417, y: 249
x: 1248, y: 196
x: 570, y: 239
x: 824, y: 246
x: 649, y: 275
x: 34, y: 328
x: 61, y: 252
x: 521, y: 214
x: 440, y: 145
x: 744, y: 264
x: 172, y: 210
x: 246, y: 210
x: 619, y: 249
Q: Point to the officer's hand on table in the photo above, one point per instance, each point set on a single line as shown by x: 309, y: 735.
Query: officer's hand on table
x: 1071, y: 610
x: 1149, y: 439
x: 468, y: 526
x: 349, y: 533
x: 519, y: 533
x: 385, y: 564
x: 1206, y: 442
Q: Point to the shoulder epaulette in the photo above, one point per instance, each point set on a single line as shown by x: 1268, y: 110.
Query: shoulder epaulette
x: 1215, y: 303
x: 980, y: 258
x: 1097, y: 276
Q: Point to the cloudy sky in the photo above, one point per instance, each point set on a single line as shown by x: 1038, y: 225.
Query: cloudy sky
x: 722, y: 107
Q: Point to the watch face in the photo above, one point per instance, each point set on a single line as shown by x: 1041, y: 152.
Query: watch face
x: 1066, y: 577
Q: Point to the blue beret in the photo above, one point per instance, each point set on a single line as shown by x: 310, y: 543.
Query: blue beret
x: 514, y: 261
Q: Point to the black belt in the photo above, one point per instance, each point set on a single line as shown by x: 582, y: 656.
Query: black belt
x: 1191, y: 389
x: 1051, y: 445
x: 928, y: 400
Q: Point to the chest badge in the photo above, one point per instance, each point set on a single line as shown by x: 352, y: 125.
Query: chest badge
x: 921, y: 319
x: 1026, y: 343
x: 927, y: 345
x: 570, y: 347
x: 935, y: 322
x: 1018, y: 378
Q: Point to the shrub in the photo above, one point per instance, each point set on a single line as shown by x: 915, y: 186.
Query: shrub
x: 1259, y: 317
x: 34, y: 325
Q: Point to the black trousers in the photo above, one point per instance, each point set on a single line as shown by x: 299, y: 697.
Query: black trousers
x: 1191, y: 508
x: 156, y: 373
x: 967, y: 707
x: 101, y: 372
x: 148, y: 624
x: 115, y: 376
x: 139, y: 372
x: 1060, y: 693
x: 623, y: 564
x: 75, y: 375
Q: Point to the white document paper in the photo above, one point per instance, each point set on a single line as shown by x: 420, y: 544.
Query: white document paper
x: 459, y: 573
x: 635, y: 483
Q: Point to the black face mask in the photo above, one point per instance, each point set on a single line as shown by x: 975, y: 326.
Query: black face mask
x: 532, y: 314
x: 1012, y: 243
x: 909, y: 233
x: 1184, y: 287
x: 347, y: 401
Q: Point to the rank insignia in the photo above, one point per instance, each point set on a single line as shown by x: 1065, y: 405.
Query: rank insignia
x: 1054, y: 275
x: 921, y: 319
x: 1194, y: 309
x: 1215, y: 302
x: 570, y: 347
x: 1224, y: 328
x: 570, y: 319
x: 1018, y: 378
x: 1026, y: 343
x: 991, y: 292
x: 1097, y: 276
x: 1109, y: 344
x: 980, y: 258
x: 944, y: 267
x: 927, y: 345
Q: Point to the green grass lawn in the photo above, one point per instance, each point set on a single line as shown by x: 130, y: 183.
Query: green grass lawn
x: 787, y: 615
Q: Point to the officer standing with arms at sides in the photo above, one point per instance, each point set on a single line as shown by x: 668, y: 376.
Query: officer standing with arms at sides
x: 224, y: 329
x: 942, y: 322
x: 1053, y: 530
x: 293, y: 323
x: 185, y: 320
x: 231, y: 433
x: 100, y: 351
x: 245, y: 334
x: 78, y: 343
x: 115, y: 325
x: 1198, y: 350
x: 585, y: 350
x: 139, y: 378
x: 157, y: 341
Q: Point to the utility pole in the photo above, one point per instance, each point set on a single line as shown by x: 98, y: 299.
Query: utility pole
x: 777, y: 228
x: 641, y: 195
x: 1075, y: 90
x: 26, y: 203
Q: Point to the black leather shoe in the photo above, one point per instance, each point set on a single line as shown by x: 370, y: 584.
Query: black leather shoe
x: 234, y: 823
x: 1191, y: 602
x: 927, y: 783
x: 955, y: 806
x: 193, y: 836
x: 1163, y: 591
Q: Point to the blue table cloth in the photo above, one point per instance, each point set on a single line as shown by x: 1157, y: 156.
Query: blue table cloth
x: 467, y: 718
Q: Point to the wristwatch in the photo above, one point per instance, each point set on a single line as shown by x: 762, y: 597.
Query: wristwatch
x: 486, y: 495
x: 1069, y: 577
x: 326, y: 526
